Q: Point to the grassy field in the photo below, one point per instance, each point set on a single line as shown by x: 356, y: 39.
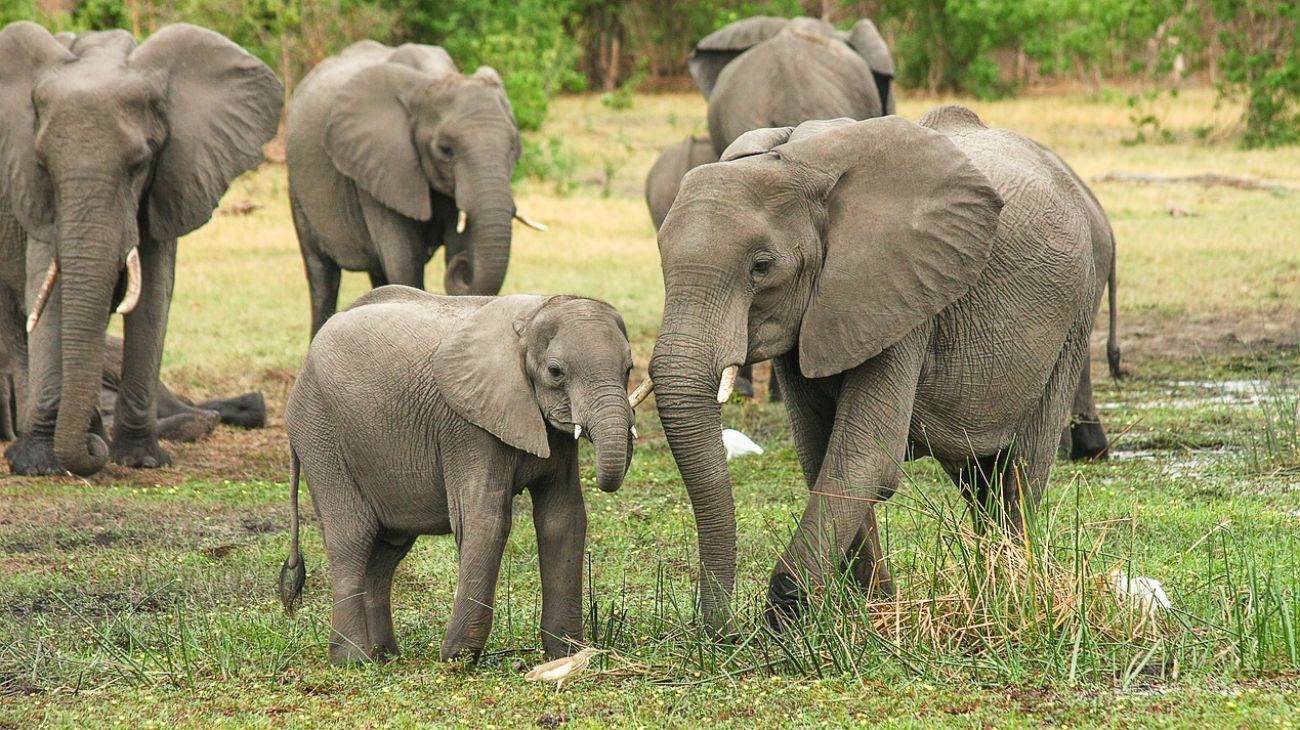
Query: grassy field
x: 149, y: 598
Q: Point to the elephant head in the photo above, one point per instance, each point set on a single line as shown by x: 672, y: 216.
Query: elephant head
x: 106, y: 146
x: 413, y: 125
x: 827, y: 242
x: 521, y: 363
x: 718, y: 49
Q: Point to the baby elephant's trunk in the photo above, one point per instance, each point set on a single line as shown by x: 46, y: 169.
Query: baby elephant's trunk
x: 293, y: 574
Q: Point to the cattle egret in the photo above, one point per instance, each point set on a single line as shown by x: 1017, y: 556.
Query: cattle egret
x: 738, y: 444
x: 1145, y: 593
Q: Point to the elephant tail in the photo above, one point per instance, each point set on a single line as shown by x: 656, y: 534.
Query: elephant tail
x: 1112, y: 338
x: 293, y: 574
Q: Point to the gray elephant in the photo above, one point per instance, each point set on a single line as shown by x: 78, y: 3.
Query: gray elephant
x: 769, y: 72
x: 392, y: 154
x: 179, y: 419
x: 111, y: 151
x: 924, y: 289
x: 418, y: 414
x: 666, y: 174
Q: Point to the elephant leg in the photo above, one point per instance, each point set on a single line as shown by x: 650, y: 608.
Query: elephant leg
x: 1084, y: 437
x: 32, y: 453
x: 867, y: 564
x: 774, y: 386
x: 377, y: 279
x: 745, y: 382
x: 387, y: 552
x: 135, y: 423
x: 350, y: 530
x: 400, y: 241
x: 860, y: 469
x: 180, y: 421
x: 479, y: 508
x: 560, y: 519
x: 979, y: 478
x: 7, y: 432
x: 811, y: 410
x: 322, y: 273
x: 245, y: 411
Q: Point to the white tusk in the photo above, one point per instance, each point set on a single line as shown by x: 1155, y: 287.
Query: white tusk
x: 43, y: 296
x: 132, y: 297
x: 577, y: 431
x: 530, y: 222
x: 728, y: 383
x: 462, y: 218
x: 634, y: 432
x: 643, y: 390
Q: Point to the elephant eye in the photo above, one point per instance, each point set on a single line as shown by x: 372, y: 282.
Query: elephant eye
x: 445, y: 150
x: 761, y: 266
x: 555, y: 371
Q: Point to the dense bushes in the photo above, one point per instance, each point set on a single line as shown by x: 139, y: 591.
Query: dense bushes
x: 1248, y: 48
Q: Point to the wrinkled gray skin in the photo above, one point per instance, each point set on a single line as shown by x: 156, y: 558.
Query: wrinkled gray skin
x: 107, y: 146
x: 666, y: 174
x: 924, y: 289
x: 418, y: 414
x: 384, y: 146
x: 179, y: 419
x: 771, y: 72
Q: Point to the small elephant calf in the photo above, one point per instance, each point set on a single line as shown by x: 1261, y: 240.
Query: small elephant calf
x: 417, y: 414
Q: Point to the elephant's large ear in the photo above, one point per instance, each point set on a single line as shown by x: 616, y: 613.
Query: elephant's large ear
x: 480, y: 371
x: 222, y: 104
x: 721, y: 47
x: 368, y: 137
x: 910, y: 223
x: 25, y: 48
x: 865, y: 38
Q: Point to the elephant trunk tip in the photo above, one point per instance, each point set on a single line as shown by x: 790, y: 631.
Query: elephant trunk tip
x: 87, y: 461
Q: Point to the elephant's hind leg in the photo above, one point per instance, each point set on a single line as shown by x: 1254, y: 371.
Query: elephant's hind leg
x: 387, y: 552
x: 1083, y: 437
x: 868, y: 565
x: 323, y: 273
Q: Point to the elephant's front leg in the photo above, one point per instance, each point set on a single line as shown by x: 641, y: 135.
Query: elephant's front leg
x: 32, y: 453
x: 560, y: 518
x: 480, y: 510
x: 135, y: 428
x: 861, y: 468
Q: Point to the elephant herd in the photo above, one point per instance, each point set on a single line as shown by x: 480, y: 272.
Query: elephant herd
x: 921, y: 288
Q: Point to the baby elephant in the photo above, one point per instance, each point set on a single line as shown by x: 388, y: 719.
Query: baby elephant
x: 417, y: 414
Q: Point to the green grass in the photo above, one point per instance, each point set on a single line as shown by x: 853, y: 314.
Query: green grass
x: 150, y: 597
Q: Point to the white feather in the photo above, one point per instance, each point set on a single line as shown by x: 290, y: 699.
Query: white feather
x: 1145, y: 593
x: 738, y: 444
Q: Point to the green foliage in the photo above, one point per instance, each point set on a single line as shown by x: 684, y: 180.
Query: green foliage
x: 550, y: 161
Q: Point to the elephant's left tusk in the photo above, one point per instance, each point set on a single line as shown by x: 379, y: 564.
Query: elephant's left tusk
x: 462, y: 219
x: 634, y: 432
x: 641, y: 393
x: 728, y: 383
x: 43, y: 296
x: 530, y: 222
x: 133, y: 286
x: 577, y: 431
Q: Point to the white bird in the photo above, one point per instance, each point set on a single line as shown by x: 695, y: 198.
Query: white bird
x: 738, y: 444
x: 561, y: 669
x: 1145, y: 593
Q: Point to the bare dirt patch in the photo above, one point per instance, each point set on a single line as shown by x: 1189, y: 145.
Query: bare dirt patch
x: 1151, y: 340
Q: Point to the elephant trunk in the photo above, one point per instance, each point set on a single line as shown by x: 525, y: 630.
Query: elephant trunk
x: 489, y: 209
x: 611, y: 433
x: 87, y: 283
x: 686, y: 377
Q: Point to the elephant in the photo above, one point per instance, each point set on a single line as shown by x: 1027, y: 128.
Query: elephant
x: 419, y: 414
x: 770, y: 72
x: 392, y: 153
x: 179, y: 419
x: 665, y: 175
x: 112, y: 151
x: 924, y: 289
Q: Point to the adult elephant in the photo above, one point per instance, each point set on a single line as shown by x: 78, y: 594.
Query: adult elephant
x: 112, y: 151
x: 924, y: 289
x: 393, y: 153
x: 771, y: 72
x: 665, y: 176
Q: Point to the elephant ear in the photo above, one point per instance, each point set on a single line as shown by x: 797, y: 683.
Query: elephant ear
x: 480, y: 371
x: 865, y: 38
x: 25, y: 49
x: 910, y: 224
x: 368, y: 137
x: 432, y: 60
x: 756, y: 142
x: 222, y: 104
x: 722, y: 46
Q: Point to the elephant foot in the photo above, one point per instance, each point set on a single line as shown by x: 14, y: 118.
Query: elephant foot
x: 457, y: 651
x: 786, y: 600
x: 245, y: 411
x: 1088, y: 441
x: 873, y: 577
x: 188, y: 427
x: 347, y: 653
x: 385, y: 651
x: 33, y: 456
x: 139, y: 452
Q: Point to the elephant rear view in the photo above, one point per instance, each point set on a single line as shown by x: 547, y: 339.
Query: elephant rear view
x: 393, y: 153
x: 772, y: 72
